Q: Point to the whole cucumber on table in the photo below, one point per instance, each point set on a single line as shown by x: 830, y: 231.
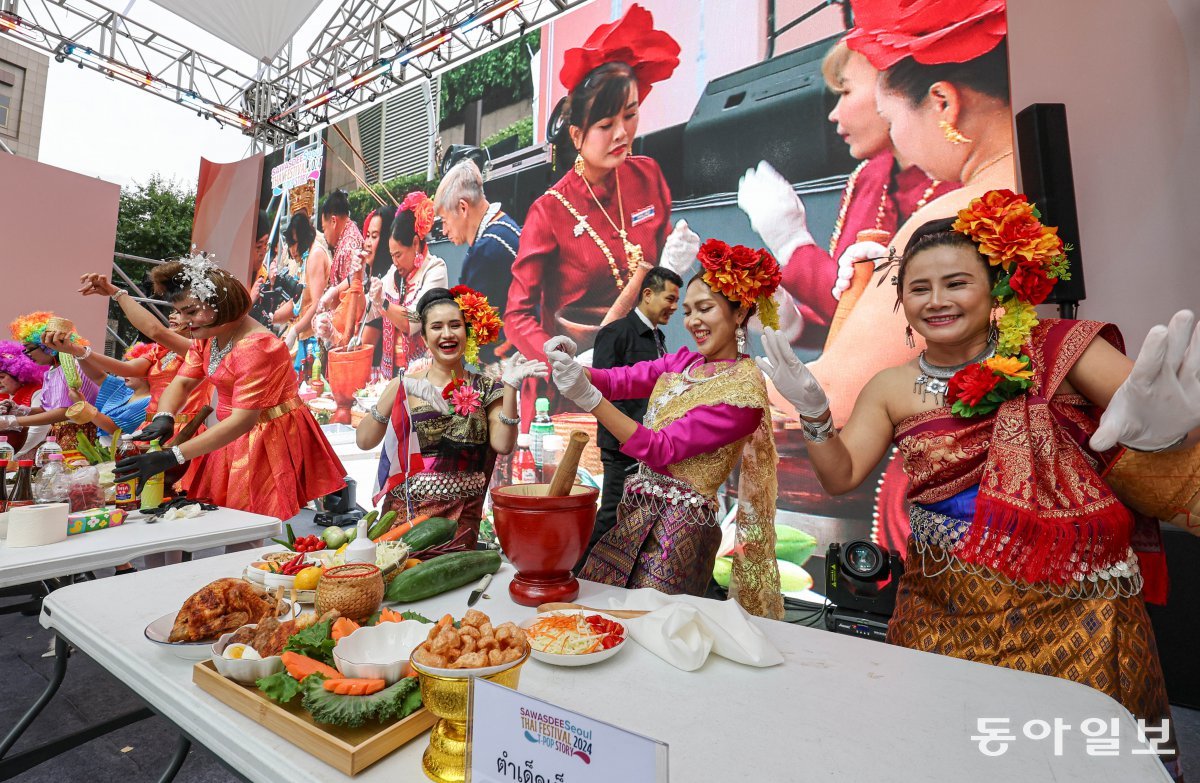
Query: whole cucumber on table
x: 441, y: 574
x: 380, y: 526
x: 434, y: 531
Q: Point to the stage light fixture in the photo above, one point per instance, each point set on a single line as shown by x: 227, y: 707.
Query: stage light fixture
x: 379, y: 70
x: 84, y: 54
x: 490, y: 15
x: 424, y: 48
x: 861, y: 579
x: 215, y: 109
x: 14, y: 25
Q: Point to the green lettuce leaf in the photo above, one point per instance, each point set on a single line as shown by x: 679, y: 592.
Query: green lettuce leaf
x: 281, y: 687
x: 315, y: 641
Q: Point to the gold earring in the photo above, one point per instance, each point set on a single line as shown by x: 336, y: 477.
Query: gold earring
x: 953, y: 135
x: 579, y: 164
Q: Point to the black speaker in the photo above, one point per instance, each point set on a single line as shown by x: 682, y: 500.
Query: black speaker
x: 1175, y: 623
x: 1047, y: 180
x: 776, y: 111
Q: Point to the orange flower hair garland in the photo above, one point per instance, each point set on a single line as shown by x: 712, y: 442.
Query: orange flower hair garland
x: 743, y: 275
x: 483, y: 320
x: 1008, y: 230
x: 422, y: 208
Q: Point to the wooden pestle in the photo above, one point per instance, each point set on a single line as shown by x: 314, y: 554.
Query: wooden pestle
x: 568, y: 466
x: 624, y: 614
x: 863, y: 272
x: 189, y: 429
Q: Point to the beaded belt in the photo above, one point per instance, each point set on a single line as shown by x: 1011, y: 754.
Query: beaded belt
x: 276, y: 411
x: 937, y: 536
x: 668, y: 491
x: 433, y: 485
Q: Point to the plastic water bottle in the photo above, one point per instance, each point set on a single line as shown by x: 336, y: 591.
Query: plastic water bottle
x: 52, y: 484
x: 552, y: 450
x: 524, y: 471
x: 48, y: 447
x: 152, y: 490
x: 6, y: 453
x: 539, y: 429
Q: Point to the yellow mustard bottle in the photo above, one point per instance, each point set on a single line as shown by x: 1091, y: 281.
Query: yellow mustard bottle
x: 152, y: 490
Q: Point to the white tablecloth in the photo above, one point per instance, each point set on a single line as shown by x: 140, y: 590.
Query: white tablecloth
x: 839, y: 708
x: 114, y: 546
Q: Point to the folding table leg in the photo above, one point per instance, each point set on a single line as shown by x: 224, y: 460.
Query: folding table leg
x: 62, y: 652
x: 182, y: 746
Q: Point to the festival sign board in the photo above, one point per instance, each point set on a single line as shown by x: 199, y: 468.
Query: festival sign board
x: 514, y: 736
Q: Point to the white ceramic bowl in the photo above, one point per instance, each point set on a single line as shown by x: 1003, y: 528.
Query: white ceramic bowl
x: 255, y: 576
x: 242, y: 670
x: 587, y: 659
x: 159, y: 632
x: 273, y: 580
x: 379, y: 651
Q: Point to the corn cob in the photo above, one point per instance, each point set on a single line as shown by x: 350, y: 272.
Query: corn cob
x: 70, y: 369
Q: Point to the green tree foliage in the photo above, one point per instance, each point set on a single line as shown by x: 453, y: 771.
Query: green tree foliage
x: 154, y: 221
x: 501, y: 77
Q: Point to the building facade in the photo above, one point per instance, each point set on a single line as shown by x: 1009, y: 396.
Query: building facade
x: 22, y: 98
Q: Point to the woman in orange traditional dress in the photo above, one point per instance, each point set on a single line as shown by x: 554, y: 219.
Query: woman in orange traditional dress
x: 266, y: 454
x: 1021, y: 555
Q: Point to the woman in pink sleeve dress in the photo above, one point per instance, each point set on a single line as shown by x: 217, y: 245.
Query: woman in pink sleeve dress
x: 708, y: 410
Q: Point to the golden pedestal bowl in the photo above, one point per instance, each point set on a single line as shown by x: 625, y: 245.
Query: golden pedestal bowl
x: 446, y: 696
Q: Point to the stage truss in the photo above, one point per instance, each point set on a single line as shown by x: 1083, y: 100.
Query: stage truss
x: 368, y: 49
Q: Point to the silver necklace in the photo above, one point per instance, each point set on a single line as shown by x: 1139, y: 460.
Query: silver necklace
x: 934, y: 378
x: 686, y: 381
x: 217, y: 354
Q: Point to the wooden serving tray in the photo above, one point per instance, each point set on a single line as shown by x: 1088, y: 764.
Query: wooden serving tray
x: 348, y: 750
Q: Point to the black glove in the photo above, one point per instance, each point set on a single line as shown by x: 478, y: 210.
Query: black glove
x: 143, y: 466
x: 160, y: 429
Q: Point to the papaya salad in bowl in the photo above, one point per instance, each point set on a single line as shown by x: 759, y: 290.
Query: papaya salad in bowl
x: 571, y: 637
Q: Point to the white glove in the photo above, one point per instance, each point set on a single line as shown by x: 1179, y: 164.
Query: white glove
x: 424, y: 390
x: 518, y: 368
x: 793, y: 380
x: 1160, y: 400
x: 9, y: 423
x: 775, y: 210
x: 680, y: 250
x: 289, y: 338
x: 329, y: 299
x: 323, y: 326
x: 562, y: 344
x: 572, y: 381
x: 856, y: 253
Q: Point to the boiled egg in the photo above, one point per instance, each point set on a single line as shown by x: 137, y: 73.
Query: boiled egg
x: 241, y: 652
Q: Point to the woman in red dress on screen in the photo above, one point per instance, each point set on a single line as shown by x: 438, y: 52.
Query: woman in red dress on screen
x: 881, y: 193
x: 590, y: 239
x: 266, y: 454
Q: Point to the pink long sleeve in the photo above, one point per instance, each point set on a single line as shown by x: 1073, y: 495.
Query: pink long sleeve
x: 705, y: 428
x: 637, y: 380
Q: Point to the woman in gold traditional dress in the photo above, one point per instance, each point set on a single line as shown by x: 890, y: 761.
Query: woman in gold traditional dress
x: 708, y: 409
x: 1021, y: 555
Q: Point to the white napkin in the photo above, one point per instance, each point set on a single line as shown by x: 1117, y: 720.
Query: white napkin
x: 683, y: 629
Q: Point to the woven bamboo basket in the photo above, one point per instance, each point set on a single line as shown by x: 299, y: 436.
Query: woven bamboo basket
x: 566, y: 423
x: 354, y: 589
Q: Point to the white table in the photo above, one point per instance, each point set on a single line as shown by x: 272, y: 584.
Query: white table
x: 839, y: 708
x: 135, y: 538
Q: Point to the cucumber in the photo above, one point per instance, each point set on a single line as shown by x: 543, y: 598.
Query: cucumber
x: 381, y: 526
x: 441, y: 574
x: 434, y: 531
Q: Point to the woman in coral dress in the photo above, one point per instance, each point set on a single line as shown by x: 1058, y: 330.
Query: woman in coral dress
x: 266, y: 454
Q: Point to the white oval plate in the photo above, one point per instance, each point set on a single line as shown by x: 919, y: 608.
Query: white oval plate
x: 587, y: 659
x: 159, y: 632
